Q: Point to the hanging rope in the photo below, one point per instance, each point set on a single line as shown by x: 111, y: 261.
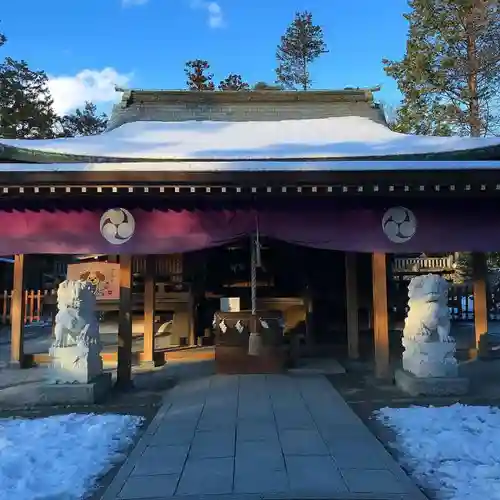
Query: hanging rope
x: 253, y: 274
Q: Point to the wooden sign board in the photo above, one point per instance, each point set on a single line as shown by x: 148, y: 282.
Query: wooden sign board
x: 103, y: 275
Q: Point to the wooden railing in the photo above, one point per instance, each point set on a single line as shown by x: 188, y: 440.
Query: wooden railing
x: 423, y: 264
x: 33, y: 305
x: 460, y: 302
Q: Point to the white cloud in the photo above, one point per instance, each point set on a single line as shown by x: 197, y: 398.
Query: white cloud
x: 71, y: 92
x: 131, y: 3
x: 214, y: 10
x: 215, y: 17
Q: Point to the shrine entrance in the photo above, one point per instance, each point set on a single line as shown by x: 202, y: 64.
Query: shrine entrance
x: 305, y: 288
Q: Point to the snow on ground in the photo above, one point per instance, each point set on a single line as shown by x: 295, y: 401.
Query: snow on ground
x: 453, y: 450
x: 60, y: 456
x: 337, y: 137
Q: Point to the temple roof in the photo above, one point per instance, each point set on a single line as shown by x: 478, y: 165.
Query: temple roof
x: 180, y: 126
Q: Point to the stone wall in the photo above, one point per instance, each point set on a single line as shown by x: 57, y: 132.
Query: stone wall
x: 244, y: 111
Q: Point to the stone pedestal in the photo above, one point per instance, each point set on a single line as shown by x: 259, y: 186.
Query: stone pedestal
x: 74, y: 364
x: 75, y: 393
x: 430, y: 359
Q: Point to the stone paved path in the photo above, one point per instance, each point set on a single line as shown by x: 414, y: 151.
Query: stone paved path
x: 257, y: 436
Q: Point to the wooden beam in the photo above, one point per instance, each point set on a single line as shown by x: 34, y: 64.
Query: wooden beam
x: 124, y: 365
x: 480, y: 290
x: 149, y: 309
x: 380, y: 316
x: 351, y: 295
x: 17, y: 314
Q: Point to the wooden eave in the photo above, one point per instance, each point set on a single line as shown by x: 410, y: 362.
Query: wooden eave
x: 18, y: 187
x: 25, y: 155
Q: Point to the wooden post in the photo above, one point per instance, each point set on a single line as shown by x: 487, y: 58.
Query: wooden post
x: 351, y: 295
x: 17, y: 314
x: 480, y: 287
x: 149, y: 310
x: 380, y: 316
x: 124, y: 365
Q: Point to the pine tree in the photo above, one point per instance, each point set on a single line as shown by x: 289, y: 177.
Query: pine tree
x: 301, y: 44
x: 197, y: 79
x: 83, y: 122
x: 233, y: 82
x: 25, y: 103
x: 450, y: 74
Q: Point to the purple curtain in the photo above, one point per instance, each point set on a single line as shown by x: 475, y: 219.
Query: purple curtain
x: 347, y: 229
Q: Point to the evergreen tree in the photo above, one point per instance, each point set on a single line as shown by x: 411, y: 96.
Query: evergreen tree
x: 83, y: 122
x: 450, y: 74
x: 266, y: 86
x: 301, y: 44
x: 25, y: 103
x: 197, y: 78
x: 233, y: 82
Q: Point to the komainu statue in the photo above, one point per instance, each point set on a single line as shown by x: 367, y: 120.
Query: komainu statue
x: 429, y: 350
x: 76, y: 350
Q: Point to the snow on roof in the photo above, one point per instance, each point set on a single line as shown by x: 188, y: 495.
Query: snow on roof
x: 338, y: 137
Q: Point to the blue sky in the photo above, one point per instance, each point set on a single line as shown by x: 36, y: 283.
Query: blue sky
x: 87, y: 45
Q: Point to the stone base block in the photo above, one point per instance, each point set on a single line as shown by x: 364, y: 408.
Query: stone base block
x: 431, y: 386
x: 76, y: 393
x: 489, y: 346
x: 72, y: 364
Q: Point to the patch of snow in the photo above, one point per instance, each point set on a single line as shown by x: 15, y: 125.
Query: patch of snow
x: 453, y: 451
x: 338, y: 137
x: 60, y: 456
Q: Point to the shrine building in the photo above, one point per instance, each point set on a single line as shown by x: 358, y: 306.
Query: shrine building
x: 285, y: 204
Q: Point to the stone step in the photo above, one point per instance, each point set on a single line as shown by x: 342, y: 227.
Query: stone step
x: 489, y: 346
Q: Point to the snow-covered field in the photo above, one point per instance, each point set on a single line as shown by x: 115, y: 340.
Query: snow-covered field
x: 61, y: 456
x: 453, y: 451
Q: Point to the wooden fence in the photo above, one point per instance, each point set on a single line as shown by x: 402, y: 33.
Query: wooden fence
x: 460, y: 303
x: 33, y: 305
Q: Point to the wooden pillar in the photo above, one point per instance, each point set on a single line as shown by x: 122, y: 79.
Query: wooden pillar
x: 351, y: 296
x: 17, y: 314
x: 149, y: 310
x: 480, y: 287
x: 124, y: 367
x: 380, y: 316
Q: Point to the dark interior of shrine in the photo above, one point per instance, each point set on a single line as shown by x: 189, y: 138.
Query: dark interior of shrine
x: 314, y: 280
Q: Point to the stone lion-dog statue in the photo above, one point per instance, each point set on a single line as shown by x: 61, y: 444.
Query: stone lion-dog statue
x: 75, y: 319
x: 428, y: 318
x: 429, y: 351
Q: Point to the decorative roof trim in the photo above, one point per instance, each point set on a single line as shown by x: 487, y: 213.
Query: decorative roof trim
x: 45, y: 185
x: 143, y: 96
x: 172, y: 191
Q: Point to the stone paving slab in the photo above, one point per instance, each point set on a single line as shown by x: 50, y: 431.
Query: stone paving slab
x: 259, y: 437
